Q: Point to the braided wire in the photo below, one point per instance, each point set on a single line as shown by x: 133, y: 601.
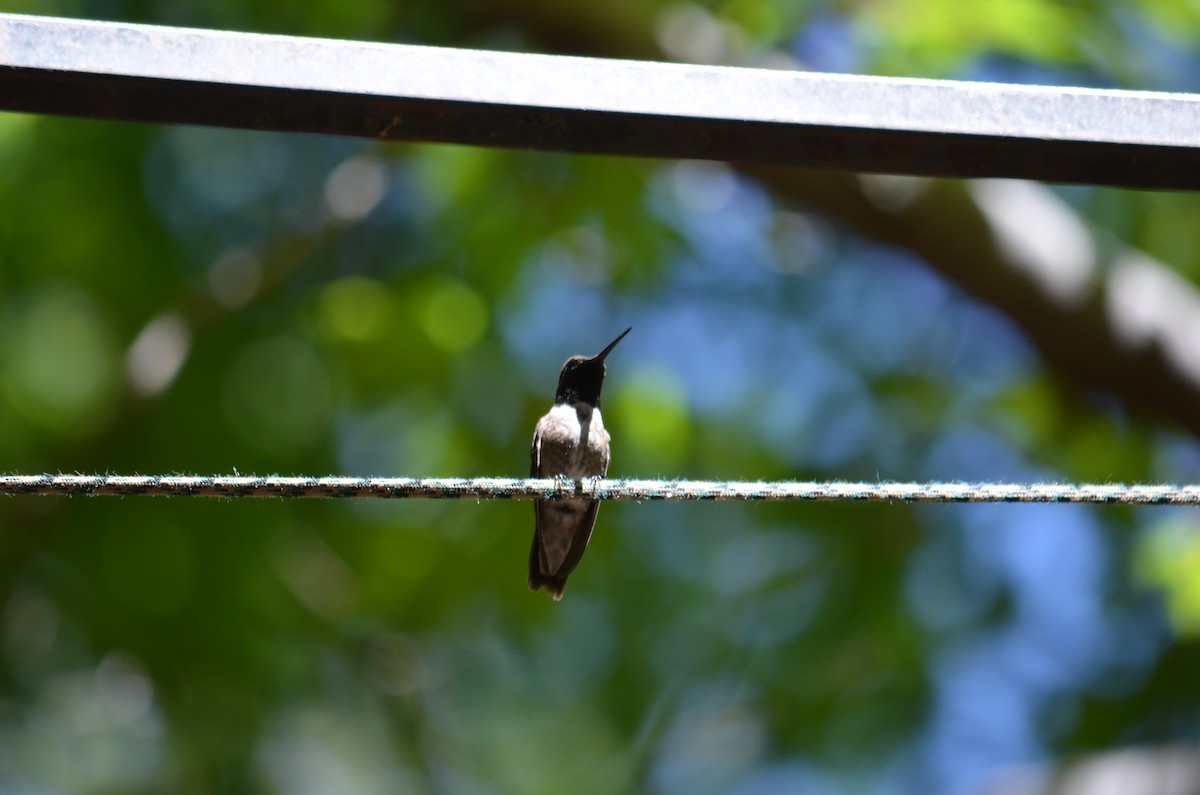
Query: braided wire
x: 537, y: 489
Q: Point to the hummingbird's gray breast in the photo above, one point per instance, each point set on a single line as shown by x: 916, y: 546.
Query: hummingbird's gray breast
x: 571, y: 441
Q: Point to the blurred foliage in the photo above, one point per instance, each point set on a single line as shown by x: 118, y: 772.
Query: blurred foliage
x: 198, y: 300
x: 1170, y: 559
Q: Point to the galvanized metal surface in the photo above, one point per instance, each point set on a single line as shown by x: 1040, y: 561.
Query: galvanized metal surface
x: 554, y: 103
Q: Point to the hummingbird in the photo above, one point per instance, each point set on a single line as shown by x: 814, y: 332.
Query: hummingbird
x: 569, y: 441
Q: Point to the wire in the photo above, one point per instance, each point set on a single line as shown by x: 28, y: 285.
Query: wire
x: 540, y: 489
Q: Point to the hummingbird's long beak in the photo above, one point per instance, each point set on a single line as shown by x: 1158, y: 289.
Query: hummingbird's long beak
x: 599, y: 357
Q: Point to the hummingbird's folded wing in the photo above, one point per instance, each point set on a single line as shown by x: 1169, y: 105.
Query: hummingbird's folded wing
x: 561, y: 534
x: 535, y: 454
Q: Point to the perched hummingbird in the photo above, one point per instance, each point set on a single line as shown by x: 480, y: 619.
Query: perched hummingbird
x: 569, y: 441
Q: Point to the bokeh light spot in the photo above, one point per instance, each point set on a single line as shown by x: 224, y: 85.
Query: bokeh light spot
x: 1168, y: 558
x: 278, y: 396
x: 234, y: 278
x: 650, y: 408
x: 157, y: 354
x: 354, y: 309
x: 355, y: 188
x: 454, y: 316
x: 60, y: 364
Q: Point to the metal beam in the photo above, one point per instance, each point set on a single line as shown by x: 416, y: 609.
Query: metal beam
x: 633, y: 108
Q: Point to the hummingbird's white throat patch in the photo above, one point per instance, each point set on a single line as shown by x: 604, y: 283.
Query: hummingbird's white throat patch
x: 582, y: 425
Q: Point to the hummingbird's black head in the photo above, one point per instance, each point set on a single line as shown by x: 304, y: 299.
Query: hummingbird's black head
x: 582, y: 376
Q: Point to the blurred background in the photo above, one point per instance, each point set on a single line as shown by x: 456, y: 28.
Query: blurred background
x: 185, y: 300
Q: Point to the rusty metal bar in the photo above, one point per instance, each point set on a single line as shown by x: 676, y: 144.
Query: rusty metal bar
x: 554, y: 103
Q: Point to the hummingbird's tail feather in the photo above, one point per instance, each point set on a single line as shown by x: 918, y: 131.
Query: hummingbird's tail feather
x: 554, y: 585
x: 537, y: 579
x: 560, y: 537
